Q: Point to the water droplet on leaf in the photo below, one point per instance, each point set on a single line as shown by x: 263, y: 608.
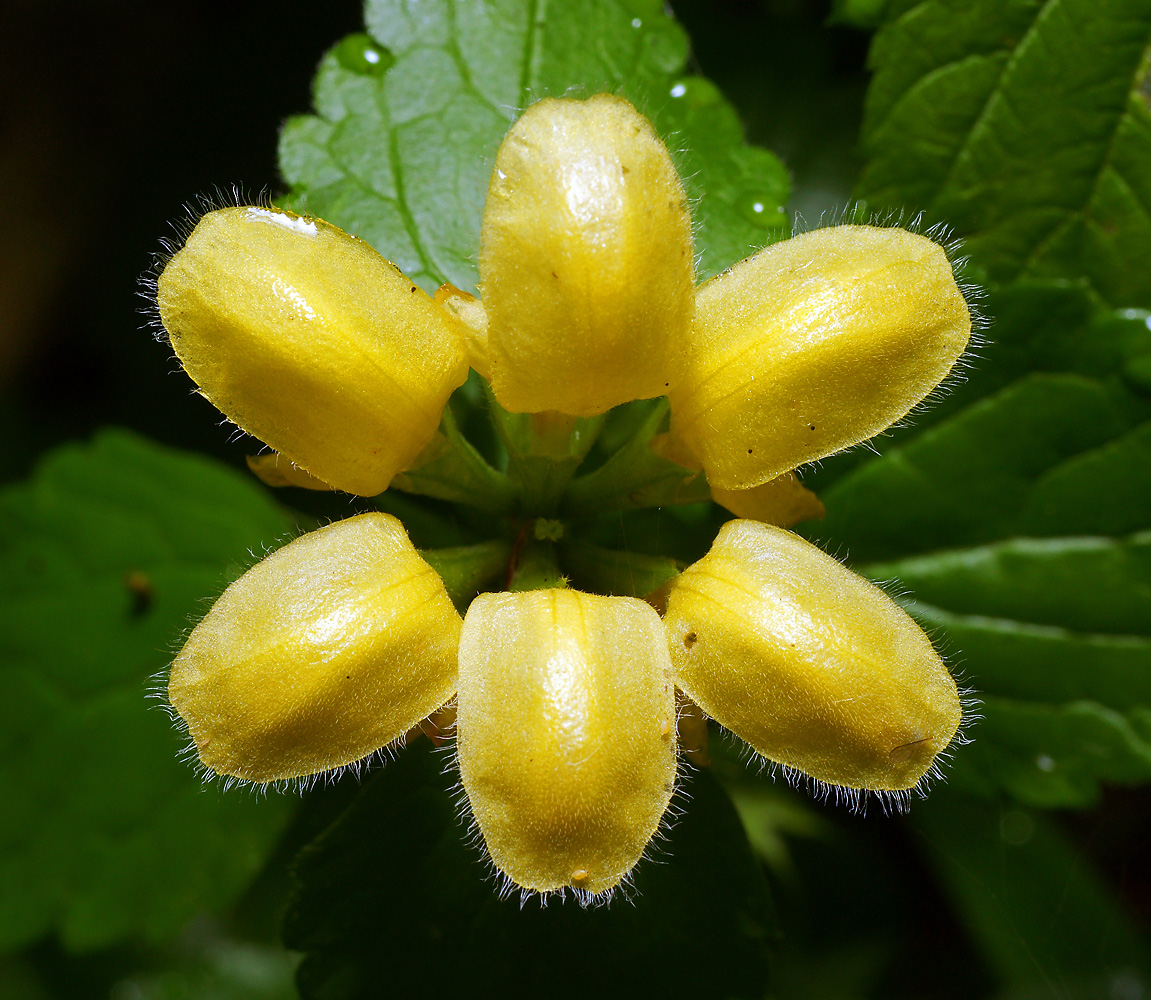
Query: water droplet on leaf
x: 361, y: 54
x: 761, y: 209
x: 695, y: 92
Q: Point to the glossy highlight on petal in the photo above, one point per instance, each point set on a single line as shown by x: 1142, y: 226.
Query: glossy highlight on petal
x: 813, y: 345
x: 322, y: 653
x: 309, y: 340
x: 586, y: 260
x: 566, y: 734
x: 814, y: 666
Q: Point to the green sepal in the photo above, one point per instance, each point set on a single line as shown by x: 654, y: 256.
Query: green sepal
x: 614, y: 571
x: 535, y: 566
x: 635, y: 476
x: 451, y: 468
x: 544, y: 451
x: 468, y: 569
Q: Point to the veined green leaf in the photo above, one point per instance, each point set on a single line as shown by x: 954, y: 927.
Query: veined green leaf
x: 1012, y: 464
x: 1022, y: 124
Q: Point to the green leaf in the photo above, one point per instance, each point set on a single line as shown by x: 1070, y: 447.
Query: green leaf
x: 207, y: 966
x: 1020, y: 123
x: 106, y: 554
x: 1044, y: 921
x: 858, y: 13
x: 1026, y: 461
x: 611, y: 571
x: 403, y: 158
x: 391, y: 891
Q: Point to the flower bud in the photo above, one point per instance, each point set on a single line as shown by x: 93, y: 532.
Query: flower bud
x: 812, y: 665
x: 813, y: 345
x: 586, y: 260
x: 309, y: 340
x: 566, y: 733
x: 323, y: 652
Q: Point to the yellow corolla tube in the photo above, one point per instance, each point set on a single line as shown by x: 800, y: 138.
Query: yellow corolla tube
x: 309, y: 340
x: 566, y: 731
x: 322, y: 653
x: 586, y: 260
x: 813, y: 345
x: 812, y: 665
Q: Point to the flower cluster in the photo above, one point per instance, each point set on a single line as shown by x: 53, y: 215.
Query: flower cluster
x: 342, y: 641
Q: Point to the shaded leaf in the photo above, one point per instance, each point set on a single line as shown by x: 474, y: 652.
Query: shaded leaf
x: 1043, y: 920
x: 1027, y: 461
x: 391, y: 891
x: 858, y: 13
x: 107, y: 554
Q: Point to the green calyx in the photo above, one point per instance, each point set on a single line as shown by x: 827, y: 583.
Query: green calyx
x: 543, y: 477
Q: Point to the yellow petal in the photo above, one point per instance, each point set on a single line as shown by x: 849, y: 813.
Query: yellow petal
x: 813, y: 345
x: 471, y: 321
x: 674, y: 450
x: 275, y: 470
x: 783, y: 502
x: 309, y: 340
x: 812, y: 665
x: 586, y: 260
x: 323, y: 652
x: 566, y: 733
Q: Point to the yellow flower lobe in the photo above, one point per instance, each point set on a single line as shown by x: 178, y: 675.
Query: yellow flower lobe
x: 586, y: 260
x: 309, y: 340
x: 566, y: 733
x: 322, y: 653
x: 813, y: 345
x: 814, y: 666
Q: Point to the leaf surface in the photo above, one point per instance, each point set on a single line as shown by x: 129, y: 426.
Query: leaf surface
x: 1043, y: 919
x: 106, y: 555
x: 391, y: 890
x: 1023, y: 124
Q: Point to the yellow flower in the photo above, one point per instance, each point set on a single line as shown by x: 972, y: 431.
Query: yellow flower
x: 338, y: 644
